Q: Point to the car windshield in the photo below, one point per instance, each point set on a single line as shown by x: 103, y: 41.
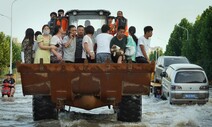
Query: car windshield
x: 190, y: 77
x: 169, y: 61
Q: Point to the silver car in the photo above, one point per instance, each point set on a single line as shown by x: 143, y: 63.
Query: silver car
x: 185, y: 83
x: 163, y: 62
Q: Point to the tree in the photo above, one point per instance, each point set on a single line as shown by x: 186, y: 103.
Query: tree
x: 16, y: 53
x: 204, y: 40
x: 155, y: 54
x: 198, y: 49
x: 178, y: 37
x: 5, y: 52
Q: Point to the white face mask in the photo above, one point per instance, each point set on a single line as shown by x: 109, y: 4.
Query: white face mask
x: 46, y: 32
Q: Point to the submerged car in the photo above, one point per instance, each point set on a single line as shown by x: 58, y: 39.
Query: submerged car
x: 184, y: 84
x: 163, y: 62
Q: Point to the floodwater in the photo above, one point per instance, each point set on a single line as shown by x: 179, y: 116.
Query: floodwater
x: 17, y: 112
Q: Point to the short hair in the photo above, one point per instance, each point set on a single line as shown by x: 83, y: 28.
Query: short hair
x: 38, y: 33
x: 45, y: 26
x: 56, y: 30
x: 147, y: 29
x: 89, y: 30
x: 70, y: 27
x: 80, y: 26
x: 105, y: 28
x: 53, y: 13
x: 120, y: 12
x: 121, y: 28
x: 110, y: 17
x: 61, y: 10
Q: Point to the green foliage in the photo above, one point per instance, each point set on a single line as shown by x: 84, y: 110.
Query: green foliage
x: 178, y: 40
x: 198, y: 49
x: 155, y: 54
x: 5, y: 52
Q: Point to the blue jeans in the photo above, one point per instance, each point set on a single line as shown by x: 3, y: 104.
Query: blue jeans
x: 102, y: 57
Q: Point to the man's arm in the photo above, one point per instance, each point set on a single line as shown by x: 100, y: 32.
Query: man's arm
x: 88, y: 51
x: 144, y: 52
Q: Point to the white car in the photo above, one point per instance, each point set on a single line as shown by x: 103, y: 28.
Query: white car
x: 184, y: 84
x: 163, y: 62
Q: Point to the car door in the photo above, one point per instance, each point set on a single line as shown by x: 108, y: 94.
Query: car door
x: 160, y: 69
x: 166, y: 82
x: 157, y: 70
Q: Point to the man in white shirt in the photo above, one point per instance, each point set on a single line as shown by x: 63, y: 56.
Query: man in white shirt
x: 144, y: 45
x: 103, y: 45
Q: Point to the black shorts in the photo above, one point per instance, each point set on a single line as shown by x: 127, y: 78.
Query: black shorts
x: 141, y: 59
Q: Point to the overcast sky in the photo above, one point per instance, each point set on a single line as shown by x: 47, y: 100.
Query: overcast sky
x: 161, y: 14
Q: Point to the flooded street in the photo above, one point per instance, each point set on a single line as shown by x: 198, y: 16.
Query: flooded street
x: 17, y: 112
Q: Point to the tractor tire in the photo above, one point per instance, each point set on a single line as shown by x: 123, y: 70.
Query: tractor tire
x: 43, y: 108
x: 130, y: 109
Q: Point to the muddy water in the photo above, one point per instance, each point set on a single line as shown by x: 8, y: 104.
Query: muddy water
x: 17, y: 112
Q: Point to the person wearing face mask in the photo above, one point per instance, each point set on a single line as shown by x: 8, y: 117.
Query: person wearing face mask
x: 44, y: 47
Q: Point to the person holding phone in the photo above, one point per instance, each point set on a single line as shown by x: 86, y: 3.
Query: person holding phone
x: 69, y: 45
x: 56, y: 42
x: 88, y: 45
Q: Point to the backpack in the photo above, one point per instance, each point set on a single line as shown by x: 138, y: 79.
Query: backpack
x: 52, y: 24
x: 122, y: 21
x: 130, y: 51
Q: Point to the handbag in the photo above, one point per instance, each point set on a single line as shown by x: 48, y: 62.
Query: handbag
x: 130, y: 51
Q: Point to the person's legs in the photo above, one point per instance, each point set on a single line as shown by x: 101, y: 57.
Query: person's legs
x: 114, y: 58
x: 98, y: 58
x: 79, y: 60
x: 106, y: 56
x: 68, y: 62
x: 120, y: 59
x: 12, y: 92
x: 141, y: 60
x: 102, y: 57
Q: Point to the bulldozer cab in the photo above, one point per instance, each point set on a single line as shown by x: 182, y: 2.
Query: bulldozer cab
x: 96, y: 18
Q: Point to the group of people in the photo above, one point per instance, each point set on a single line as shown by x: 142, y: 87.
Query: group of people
x: 10, y: 81
x: 76, y: 43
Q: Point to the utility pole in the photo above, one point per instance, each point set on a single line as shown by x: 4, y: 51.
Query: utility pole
x: 11, y: 36
x: 184, y: 29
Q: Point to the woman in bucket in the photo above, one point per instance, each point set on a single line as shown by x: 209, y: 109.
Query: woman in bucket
x: 44, y: 47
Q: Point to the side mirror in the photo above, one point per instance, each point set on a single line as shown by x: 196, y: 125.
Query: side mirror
x: 160, y: 66
x: 163, y: 74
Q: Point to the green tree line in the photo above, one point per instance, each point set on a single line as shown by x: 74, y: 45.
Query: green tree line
x: 5, y: 53
x: 194, y: 40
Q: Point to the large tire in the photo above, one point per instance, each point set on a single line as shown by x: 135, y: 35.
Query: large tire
x: 43, y: 108
x: 130, y: 109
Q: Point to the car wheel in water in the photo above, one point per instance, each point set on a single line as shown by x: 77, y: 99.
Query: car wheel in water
x: 163, y: 97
